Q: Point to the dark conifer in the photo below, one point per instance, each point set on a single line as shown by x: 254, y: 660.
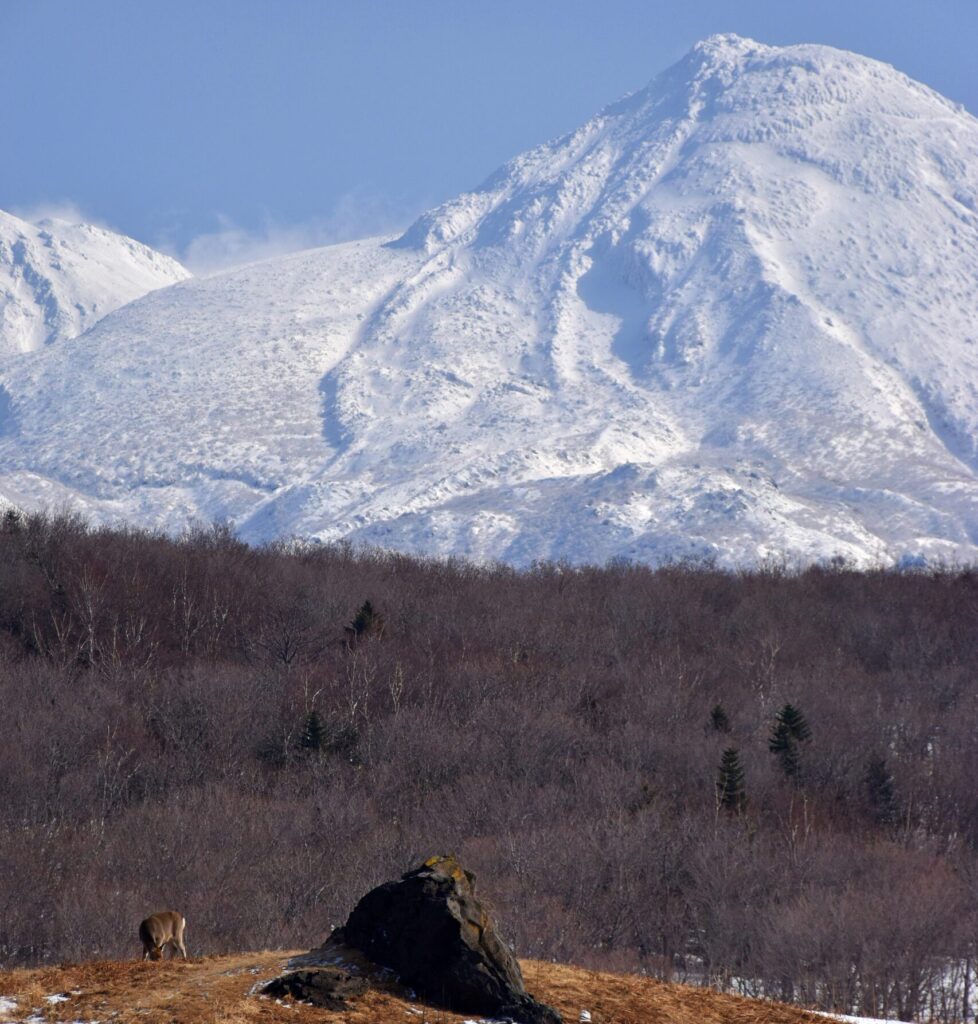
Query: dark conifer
x: 366, y: 622
x: 783, y: 745
x: 780, y: 739
x: 12, y: 521
x: 719, y: 720
x: 790, y: 728
x: 313, y: 733
x: 794, y: 721
x: 731, y: 795
x: 880, y: 791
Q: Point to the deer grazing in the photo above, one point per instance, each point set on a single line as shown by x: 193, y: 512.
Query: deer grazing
x: 162, y: 929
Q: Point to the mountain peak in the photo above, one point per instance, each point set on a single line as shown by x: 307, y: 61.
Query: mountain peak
x: 729, y: 315
x: 726, y: 48
x: 58, y: 278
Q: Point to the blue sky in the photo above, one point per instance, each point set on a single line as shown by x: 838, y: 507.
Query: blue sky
x: 225, y: 129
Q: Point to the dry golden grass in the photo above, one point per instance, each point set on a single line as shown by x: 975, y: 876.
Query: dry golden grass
x: 215, y: 990
x: 630, y: 999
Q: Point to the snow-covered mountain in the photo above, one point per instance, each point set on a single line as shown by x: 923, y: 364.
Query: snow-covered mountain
x: 58, y: 278
x: 731, y: 314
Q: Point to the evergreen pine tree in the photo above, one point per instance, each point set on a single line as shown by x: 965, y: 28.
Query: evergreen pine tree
x: 790, y: 729
x: 719, y: 720
x: 313, y: 733
x: 783, y: 744
x: 731, y: 795
x: 365, y: 622
x: 880, y: 791
x: 794, y: 722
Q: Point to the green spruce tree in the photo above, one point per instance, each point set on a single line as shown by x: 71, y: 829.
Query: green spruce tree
x: 719, y: 720
x: 731, y: 795
x: 783, y: 745
x: 366, y: 622
x: 880, y: 791
x: 794, y: 721
x: 313, y: 733
x: 790, y: 729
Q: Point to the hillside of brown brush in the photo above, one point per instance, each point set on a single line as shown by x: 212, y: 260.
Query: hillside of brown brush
x: 219, y: 989
x: 199, y: 724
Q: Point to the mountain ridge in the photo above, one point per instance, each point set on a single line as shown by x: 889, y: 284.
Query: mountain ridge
x: 58, y: 278
x: 727, y: 317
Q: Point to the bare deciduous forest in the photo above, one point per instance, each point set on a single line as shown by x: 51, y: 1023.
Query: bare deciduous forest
x: 763, y: 780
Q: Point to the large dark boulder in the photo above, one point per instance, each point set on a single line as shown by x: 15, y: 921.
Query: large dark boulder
x: 431, y: 929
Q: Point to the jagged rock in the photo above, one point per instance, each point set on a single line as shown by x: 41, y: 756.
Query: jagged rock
x: 329, y: 987
x: 431, y: 929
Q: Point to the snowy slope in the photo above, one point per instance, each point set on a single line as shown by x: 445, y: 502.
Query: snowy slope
x: 732, y: 314
x: 59, y: 278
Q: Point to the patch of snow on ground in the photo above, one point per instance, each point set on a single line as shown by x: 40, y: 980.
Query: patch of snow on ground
x: 859, y: 1020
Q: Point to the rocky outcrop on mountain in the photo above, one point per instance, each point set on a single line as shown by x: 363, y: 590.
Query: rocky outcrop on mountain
x: 434, y: 932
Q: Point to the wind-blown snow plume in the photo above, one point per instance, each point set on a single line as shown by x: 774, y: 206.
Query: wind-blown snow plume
x: 355, y: 215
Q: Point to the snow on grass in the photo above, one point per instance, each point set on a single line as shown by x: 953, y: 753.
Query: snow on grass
x: 859, y: 1020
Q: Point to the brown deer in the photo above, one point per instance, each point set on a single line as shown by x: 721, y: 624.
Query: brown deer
x: 162, y: 929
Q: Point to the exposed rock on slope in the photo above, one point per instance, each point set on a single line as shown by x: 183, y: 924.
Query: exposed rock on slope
x: 330, y: 987
x: 431, y: 929
x: 731, y: 315
x: 57, y: 279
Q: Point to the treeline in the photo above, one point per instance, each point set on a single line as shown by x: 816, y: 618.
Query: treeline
x: 764, y: 779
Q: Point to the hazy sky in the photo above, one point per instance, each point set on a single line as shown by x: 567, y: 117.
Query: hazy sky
x: 225, y: 129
